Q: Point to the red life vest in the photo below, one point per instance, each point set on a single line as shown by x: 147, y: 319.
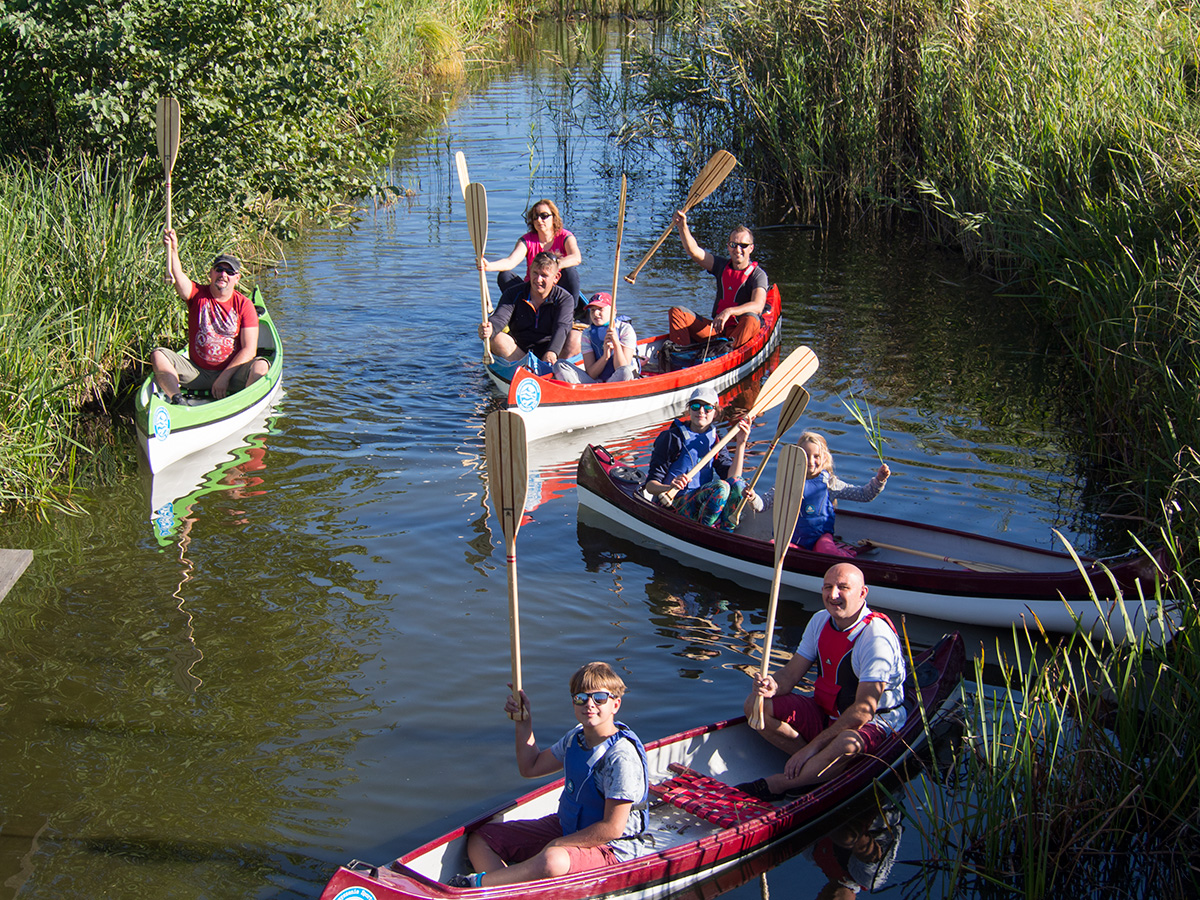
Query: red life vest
x: 837, y: 684
x: 731, y: 282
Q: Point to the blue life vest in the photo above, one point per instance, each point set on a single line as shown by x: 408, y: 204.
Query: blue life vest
x: 593, y: 339
x: 695, y: 445
x: 816, y: 513
x: 581, y: 803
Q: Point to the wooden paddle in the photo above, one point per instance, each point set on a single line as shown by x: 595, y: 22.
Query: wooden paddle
x: 965, y: 563
x: 477, y: 222
x: 789, y: 495
x: 709, y: 179
x: 461, y: 162
x: 166, y: 135
x: 508, y: 475
x: 793, y: 409
x: 796, y: 369
x: 612, y: 313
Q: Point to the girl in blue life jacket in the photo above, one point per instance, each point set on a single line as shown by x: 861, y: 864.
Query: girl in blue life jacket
x: 712, y: 496
x: 822, y: 490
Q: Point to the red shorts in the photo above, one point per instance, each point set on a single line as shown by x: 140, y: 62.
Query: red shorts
x: 523, y: 839
x: 802, y: 713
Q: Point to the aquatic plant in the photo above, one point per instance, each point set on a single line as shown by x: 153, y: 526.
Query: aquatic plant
x: 1080, y: 767
x: 865, y: 417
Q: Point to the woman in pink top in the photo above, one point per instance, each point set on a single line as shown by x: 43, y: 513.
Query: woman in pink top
x: 546, y: 233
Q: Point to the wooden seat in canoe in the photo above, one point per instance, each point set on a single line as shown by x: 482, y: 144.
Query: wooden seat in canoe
x: 709, y: 799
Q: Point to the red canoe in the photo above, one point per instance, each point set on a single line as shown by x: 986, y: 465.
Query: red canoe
x: 701, y: 824
x: 552, y: 407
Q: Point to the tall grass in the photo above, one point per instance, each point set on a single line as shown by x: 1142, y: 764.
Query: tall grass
x: 1079, y: 771
x: 82, y: 300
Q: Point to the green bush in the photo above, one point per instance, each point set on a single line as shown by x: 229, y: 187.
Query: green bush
x: 270, y: 94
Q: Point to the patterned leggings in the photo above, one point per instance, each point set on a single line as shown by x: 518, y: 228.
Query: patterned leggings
x: 711, y: 504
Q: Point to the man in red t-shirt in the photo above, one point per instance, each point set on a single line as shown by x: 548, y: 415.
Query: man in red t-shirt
x: 222, y: 332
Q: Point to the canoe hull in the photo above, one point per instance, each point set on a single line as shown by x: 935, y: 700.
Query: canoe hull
x: 693, y: 849
x: 552, y: 407
x: 169, y: 433
x: 1049, y: 588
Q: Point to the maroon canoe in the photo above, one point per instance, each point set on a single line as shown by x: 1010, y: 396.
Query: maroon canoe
x: 918, y: 568
x: 701, y: 824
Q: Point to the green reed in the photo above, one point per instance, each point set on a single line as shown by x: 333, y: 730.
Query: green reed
x: 1081, y: 768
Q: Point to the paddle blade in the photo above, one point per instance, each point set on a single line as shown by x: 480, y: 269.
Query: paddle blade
x: 711, y: 177
x: 508, y: 472
x: 800, y: 365
x: 166, y: 131
x: 789, y: 496
x: 460, y: 163
x: 477, y: 217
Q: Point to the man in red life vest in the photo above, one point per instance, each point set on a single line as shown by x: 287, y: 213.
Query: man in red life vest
x: 741, y: 291
x: 859, y: 696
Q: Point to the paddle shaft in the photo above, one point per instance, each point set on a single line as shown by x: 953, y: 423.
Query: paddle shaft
x: 710, y: 178
x: 514, y: 622
x: 789, y: 494
x: 476, y: 200
x: 965, y: 563
x: 796, y: 369
x: 612, y: 313
x: 793, y: 409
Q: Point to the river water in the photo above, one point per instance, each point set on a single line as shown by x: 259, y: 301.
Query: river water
x: 305, y: 662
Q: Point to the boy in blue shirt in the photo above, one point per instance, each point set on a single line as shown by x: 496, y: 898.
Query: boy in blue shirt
x: 602, y: 810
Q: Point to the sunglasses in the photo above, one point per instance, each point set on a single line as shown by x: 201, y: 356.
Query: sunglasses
x: 740, y: 245
x: 597, y: 697
x: 697, y: 405
x: 224, y: 268
x: 543, y: 215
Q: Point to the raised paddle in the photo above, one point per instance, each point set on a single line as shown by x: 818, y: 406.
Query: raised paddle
x: 505, y: 447
x: 789, y: 495
x: 477, y: 222
x: 965, y: 563
x: 460, y: 161
x: 166, y: 135
x: 612, y: 312
x: 796, y: 369
x: 709, y: 179
x: 793, y: 409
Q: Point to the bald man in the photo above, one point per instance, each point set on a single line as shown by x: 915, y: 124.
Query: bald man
x: 859, y: 696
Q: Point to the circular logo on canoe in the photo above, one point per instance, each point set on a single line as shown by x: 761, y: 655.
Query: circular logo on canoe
x: 162, y: 423
x: 529, y: 394
x: 354, y: 893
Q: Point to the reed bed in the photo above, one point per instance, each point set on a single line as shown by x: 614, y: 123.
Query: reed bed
x: 1079, y: 772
